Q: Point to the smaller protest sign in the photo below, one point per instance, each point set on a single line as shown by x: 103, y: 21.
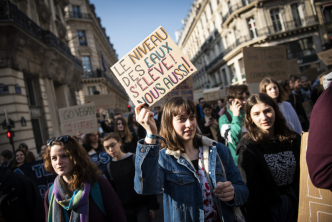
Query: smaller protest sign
x: 78, y: 118
x: 314, y: 204
x: 261, y: 62
x: 36, y: 172
x: 185, y: 89
x: 212, y: 94
x: 153, y: 68
x: 102, y: 101
x: 326, y: 57
x: 253, y: 88
x: 293, y: 67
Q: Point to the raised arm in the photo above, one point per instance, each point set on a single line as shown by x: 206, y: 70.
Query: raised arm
x: 149, y: 175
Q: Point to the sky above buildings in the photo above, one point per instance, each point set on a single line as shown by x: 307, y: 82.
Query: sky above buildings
x: 128, y: 22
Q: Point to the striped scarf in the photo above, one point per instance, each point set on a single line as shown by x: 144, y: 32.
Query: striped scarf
x: 62, y: 202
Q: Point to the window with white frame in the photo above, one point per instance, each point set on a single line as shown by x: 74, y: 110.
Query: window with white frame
x: 276, y: 20
x: 91, y: 90
x: 297, y: 14
x: 252, y: 27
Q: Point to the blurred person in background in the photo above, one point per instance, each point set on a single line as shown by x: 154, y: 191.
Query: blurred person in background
x: 318, y: 88
x: 273, y: 89
x: 29, y: 155
x: 137, y: 128
x: 208, y: 125
x: 6, y: 157
x: 295, y: 85
x: 306, y: 89
x: 128, y: 137
x: 199, y: 110
x: 92, y: 144
x: 19, y: 159
x: 231, y: 123
x: 297, y: 104
x: 42, y: 152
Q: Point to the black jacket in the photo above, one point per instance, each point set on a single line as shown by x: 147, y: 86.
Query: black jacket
x: 20, y: 199
x: 297, y: 105
x: 263, y: 190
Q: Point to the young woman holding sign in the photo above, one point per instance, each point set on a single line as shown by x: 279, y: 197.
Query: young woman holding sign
x: 198, y: 175
x: 269, y: 162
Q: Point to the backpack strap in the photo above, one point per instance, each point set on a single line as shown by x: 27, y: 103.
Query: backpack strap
x: 50, y: 192
x: 229, y: 117
x: 108, y: 170
x: 97, y: 197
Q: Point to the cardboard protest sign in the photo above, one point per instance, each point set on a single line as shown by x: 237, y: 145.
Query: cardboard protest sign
x: 261, y: 62
x: 326, y: 57
x: 315, y: 204
x: 78, y: 118
x: 102, y: 101
x: 293, y: 67
x: 153, y: 68
x: 212, y: 94
x: 185, y: 89
x: 253, y: 88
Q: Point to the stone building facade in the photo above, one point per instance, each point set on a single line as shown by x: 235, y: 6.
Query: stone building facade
x: 89, y: 42
x: 38, y: 73
x: 215, y: 32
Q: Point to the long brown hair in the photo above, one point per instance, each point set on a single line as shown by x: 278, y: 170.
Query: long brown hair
x: 281, y: 130
x: 15, y: 163
x: 266, y: 81
x: 127, y: 134
x: 172, y: 108
x: 84, y: 170
x: 87, y: 138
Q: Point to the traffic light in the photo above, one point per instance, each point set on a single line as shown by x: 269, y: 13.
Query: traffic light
x: 129, y: 108
x: 9, y: 134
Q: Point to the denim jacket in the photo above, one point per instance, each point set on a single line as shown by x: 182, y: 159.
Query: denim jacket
x: 173, y: 171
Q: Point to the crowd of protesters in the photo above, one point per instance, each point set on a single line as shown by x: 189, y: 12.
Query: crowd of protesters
x: 237, y: 160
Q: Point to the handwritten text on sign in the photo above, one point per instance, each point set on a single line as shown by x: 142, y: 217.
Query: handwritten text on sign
x: 153, y: 68
x: 78, y: 118
x: 261, y: 62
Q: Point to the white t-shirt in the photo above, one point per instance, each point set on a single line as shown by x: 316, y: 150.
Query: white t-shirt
x: 291, y: 117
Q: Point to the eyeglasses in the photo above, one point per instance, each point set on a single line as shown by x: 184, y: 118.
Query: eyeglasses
x: 111, y: 146
x: 61, y: 138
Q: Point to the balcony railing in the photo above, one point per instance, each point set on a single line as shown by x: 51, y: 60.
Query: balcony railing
x: 266, y: 31
x: 102, y: 74
x: 78, y: 15
x: 235, y: 7
x: 11, y: 13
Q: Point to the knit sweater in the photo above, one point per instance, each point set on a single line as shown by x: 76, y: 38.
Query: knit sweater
x: 268, y: 170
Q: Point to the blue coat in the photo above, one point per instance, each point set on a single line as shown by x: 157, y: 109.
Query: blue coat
x: 174, y: 172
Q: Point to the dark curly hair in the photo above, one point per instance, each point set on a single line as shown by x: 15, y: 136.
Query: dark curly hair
x: 84, y: 170
x: 281, y: 130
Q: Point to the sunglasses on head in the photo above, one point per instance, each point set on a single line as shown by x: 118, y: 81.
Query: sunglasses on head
x: 61, y: 138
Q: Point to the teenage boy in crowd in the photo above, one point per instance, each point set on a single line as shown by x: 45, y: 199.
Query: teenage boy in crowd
x: 120, y: 173
x: 231, y: 123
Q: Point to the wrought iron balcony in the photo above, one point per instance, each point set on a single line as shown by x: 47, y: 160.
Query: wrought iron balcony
x: 78, y: 15
x: 10, y: 13
x: 235, y: 7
